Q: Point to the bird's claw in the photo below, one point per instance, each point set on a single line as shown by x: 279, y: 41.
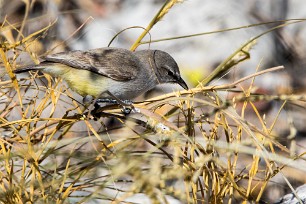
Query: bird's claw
x: 126, y: 110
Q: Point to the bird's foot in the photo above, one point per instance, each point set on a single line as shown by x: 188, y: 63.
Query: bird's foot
x: 106, y: 100
x: 115, y: 101
x: 126, y: 110
x: 127, y: 105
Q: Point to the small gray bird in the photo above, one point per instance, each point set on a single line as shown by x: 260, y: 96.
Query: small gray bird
x: 111, y: 71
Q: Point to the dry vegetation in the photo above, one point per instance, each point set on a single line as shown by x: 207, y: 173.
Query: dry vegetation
x: 194, y: 146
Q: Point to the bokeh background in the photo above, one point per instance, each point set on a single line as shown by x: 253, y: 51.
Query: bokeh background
x: 93, y: 23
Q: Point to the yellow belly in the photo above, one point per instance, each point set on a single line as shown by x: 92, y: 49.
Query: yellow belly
x: 85, y: 82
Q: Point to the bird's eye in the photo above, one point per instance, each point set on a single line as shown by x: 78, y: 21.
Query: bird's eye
x: 170, y: 73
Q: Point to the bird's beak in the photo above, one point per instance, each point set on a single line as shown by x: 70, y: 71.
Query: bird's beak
x: 182, y: 83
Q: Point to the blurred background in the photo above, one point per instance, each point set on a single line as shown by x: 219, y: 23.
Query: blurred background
x: 91, y: 24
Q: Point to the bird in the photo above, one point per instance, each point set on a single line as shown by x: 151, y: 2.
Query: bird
x: 105, y: 73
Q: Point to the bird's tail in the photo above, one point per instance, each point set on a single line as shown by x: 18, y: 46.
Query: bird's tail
x: 27, y: 68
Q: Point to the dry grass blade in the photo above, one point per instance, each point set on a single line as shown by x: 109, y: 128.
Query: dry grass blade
x: 160, y: 14
x: 194, y: 146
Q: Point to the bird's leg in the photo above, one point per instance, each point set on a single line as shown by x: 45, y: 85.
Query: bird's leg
x: 92, y: 104
x: 115, y: 101
x: 124, y: 103
x: 127, y: 105
x: 107, y: 100
x: 127, y: 102
x: 87, y: 100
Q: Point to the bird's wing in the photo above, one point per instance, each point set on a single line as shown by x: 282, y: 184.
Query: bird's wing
x: 115, y: 63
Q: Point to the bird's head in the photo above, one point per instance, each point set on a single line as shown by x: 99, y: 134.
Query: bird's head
x: 167, y: 69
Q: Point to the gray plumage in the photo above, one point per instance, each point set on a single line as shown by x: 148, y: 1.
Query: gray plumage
x: 123, y: 73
